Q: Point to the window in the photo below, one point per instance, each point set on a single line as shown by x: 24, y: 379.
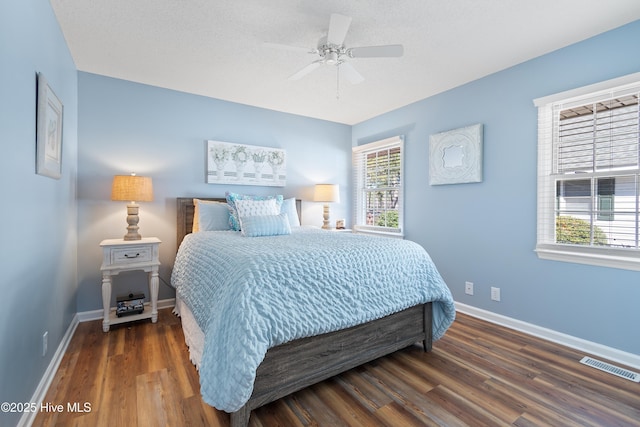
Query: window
x: 589, y: 175
x: 378, y: 176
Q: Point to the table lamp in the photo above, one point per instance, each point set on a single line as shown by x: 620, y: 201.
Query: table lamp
x: 132, y: 188
x: 327, y: 193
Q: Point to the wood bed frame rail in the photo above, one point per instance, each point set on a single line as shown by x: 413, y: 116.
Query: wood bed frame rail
x: 293, y: 366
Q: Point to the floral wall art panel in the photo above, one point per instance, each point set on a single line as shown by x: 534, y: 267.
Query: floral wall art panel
x: 229, y: 163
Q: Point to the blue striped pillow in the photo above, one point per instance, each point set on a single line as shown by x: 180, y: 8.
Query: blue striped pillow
x: 265, y: 225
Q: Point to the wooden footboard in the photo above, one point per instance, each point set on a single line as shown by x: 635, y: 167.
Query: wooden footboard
x: 293, y: 366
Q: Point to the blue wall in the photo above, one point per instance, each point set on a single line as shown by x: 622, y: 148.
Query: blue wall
x: 486, y: 232
x: 128, y: 127
x: 38, y: 215
x: 482, y: 232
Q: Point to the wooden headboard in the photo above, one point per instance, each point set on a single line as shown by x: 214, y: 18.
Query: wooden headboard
x: 186, y: 209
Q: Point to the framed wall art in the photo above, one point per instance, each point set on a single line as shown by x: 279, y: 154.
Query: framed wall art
x: 455, y: 156
x: 48, y: 131
x: 229, y: 163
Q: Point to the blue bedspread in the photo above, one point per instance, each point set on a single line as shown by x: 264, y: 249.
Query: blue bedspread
x: 250, y: 294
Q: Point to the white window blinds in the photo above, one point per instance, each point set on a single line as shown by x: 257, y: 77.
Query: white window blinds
x: 589, y: 176
x: 378, y: 186
x: 598, y: 136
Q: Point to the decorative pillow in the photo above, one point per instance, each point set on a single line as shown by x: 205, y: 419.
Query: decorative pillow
x: 265, y: 225
x: 289, y: 207
x: 256, y: 208
x: 234, y: 223
x: 210, y: 216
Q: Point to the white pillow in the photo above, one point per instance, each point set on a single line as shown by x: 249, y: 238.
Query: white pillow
x: 257, y: 207
x: 289, y: 207
x: 209, y: 215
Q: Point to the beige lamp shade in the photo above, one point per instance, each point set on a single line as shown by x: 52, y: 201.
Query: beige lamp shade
x: 328, y: 193
x: 132, y: 188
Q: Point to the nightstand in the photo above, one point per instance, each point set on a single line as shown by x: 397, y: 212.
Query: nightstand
x: 120, y: 255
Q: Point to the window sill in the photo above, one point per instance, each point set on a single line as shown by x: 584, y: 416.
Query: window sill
x: 626, y: 259
x: 373, y: 232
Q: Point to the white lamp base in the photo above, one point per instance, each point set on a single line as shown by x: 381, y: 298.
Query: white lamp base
x: 325, y: 215
x: 132, y: 220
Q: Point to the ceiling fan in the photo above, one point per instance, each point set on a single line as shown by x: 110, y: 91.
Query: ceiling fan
x: 332, y: 51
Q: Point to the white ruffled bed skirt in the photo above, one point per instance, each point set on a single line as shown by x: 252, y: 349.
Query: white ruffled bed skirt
x: 193, y: 335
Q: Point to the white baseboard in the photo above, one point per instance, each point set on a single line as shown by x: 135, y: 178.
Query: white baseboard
x: 609, y: 353
x: 87, y: 316
x: 41, y: 391
x: 28, y: 418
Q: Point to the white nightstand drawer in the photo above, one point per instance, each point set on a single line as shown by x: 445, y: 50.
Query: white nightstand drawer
x: 131, y: 254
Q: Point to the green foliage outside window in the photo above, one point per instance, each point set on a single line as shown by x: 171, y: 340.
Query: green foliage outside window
x: 388, y: 219
x: 578, y: 232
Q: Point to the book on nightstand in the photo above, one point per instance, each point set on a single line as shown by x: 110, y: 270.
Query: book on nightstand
x: 129, y: 304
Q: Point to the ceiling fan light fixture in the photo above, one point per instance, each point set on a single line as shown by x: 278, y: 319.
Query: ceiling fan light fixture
x: 331, y: 57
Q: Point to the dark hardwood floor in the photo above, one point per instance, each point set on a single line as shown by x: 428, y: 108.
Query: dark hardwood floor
x: 479, y: 374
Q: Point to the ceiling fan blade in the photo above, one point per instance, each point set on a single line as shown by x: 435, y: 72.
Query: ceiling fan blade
x: 350, y: 73
x: 338, y: 27
x: 388, y: 51
x: 289, y: 47
x: 306, y: 70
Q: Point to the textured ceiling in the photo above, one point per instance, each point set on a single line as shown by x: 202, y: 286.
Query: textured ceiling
x: 217, y: 48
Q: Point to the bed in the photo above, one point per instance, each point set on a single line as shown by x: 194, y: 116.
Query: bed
x: 284, y: 364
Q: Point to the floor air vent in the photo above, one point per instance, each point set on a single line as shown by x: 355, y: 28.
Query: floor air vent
x: 612, y: 369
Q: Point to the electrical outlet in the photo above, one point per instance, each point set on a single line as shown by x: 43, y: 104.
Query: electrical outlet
x: 468, y: 288
x: 45, y: 343
x: 495, y: 294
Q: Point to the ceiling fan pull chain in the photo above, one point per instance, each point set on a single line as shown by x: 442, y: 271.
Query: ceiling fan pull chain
x: 338, y: 82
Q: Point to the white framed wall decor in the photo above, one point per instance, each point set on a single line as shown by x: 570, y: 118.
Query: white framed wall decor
x: 48, y: 131
x: 455, y: 156
x: 241, y: 164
